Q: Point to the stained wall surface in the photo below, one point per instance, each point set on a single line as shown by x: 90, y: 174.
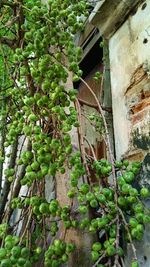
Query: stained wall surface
x: 129, y: 50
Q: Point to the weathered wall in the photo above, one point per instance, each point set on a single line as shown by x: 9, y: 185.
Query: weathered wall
x: 129, y: 50
x: 129, y: 62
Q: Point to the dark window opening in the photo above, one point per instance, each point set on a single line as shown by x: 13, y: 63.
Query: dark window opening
x: 93, y: 58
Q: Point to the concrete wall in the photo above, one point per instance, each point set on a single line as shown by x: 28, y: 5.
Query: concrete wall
x: 129, y: 50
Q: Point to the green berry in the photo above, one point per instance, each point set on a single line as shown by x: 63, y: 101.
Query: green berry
x: 144, y: 192
x: 95, y: 255
x: 25, y: 252
x: 101, y: 198
x: 83, y: 209
x: 133, y: 222
x: 94, y: 203
x: 129, y: 176
x: 6, y: 263
x: 110, y: 250
x: 16, y: 251
x: 97, y: 246
x: 44, y: 208
x: 134, y: 264
x: 3, y: 253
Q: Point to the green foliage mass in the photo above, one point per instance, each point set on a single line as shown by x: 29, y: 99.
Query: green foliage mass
x: 37, y: 53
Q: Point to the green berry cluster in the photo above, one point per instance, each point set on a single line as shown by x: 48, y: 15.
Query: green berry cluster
x: 58, y: 253
x: 37, y: 59
x: 12, y: 254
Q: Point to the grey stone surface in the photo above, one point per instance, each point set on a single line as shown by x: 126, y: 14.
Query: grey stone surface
x: 108, y: 15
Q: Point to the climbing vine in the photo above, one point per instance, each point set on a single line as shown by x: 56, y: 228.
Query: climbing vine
x: 38, y: 113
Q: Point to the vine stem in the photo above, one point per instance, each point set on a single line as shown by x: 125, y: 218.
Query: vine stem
x: 92, y: 150
x: 44, y: 233
x: 104, y: 120
x: 129, y: 235
x: 26, y: 227
x: 122, y: 262
x: 117, y: 242
x: 89, y: 157
x: 95, y: 264
x: 81, y: 136
x: 83, y: 115
x: 21, y: 149
x: 28, y: 220
x: 108, y: 145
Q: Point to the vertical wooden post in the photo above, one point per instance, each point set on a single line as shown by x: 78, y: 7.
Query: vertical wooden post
x: 107, y: 97
x: 82, y: 240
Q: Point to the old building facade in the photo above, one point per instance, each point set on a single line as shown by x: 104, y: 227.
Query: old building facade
x: 125, y: 27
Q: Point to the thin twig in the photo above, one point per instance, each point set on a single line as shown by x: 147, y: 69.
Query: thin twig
x: 104, y: 121
x: 122, y: 262
x: 107, y: 139
x: 129, y: 235
x: 82, y: 140
x: 92, y: 150
x: 117, y: 241
x: 7, y: 184
x: 21, y: 148
x: 97, y: 262
x: 26, y: 226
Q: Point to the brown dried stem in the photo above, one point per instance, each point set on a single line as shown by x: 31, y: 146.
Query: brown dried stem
x: 104, y: 121
x: 108, y: 145
x: 7, y: 184
x: 116, y: 263
x: 95, y: 264
x: 92, y: 150
x: 81, y: 136
x: 129, y: 235
x: 26, y: 226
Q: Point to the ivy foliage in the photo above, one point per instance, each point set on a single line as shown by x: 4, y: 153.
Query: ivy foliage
x: 37, y: 53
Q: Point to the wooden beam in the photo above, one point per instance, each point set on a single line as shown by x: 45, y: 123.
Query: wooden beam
x: 108, y: 15
x: 89, y: 45
x: 84, y: 35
